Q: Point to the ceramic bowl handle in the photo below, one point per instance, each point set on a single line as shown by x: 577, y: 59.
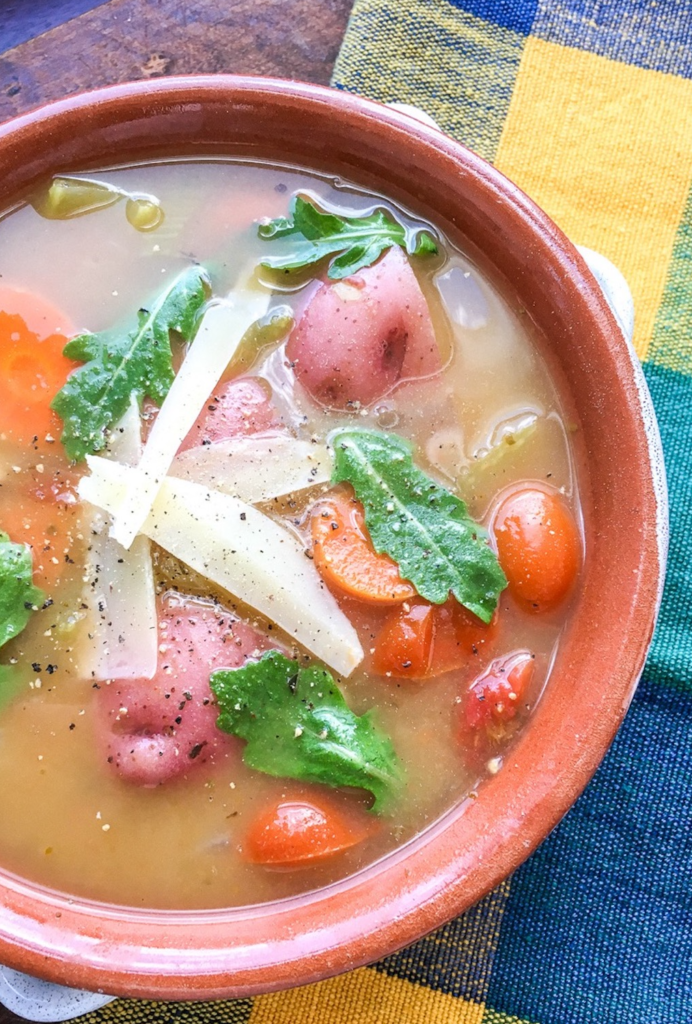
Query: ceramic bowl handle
x: 614, y: 287
x: 42, y: 1001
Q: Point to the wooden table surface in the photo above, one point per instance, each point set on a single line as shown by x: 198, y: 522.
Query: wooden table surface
x: 122, y: 40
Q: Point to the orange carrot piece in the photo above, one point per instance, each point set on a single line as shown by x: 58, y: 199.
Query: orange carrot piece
x: 345, y: 557
x: 32, y: 366
x: 48, y: 528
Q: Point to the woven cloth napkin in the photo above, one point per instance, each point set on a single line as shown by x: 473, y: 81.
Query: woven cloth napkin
x: 587, y: 105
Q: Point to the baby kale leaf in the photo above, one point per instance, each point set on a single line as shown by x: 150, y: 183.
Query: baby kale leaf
x: 118, y: 364
x: 298, y: 726
x: 424, y: 527
x: 353, y: 242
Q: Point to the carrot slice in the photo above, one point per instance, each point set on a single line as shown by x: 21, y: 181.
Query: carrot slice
x: 420, y: 640
x: 345, y: 557
x: 32, y: 366
x: 296, y: 833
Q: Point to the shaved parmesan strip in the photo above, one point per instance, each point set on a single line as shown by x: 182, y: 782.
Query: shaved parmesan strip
x: 218, y: 337
x: 125, y: 439
x: 255, y: 468
x: 123, y: 631
x: 241, y: 550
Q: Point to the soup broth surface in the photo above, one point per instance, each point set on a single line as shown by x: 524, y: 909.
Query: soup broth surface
x: 490, y: 421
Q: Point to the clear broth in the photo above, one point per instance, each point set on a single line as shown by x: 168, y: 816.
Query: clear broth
x: 68, y: 821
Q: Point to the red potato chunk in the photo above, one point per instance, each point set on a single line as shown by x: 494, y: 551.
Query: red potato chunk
x: 154, y: 730
x: 238, y: 408
x: 357, y: 338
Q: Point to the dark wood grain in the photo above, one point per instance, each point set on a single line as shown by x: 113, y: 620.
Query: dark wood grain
x: 134, y: 39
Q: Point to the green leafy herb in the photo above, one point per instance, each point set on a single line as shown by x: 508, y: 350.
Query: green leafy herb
x: 358, y: 241
x: 118, y: 365
x: 18, y: 595
x: 298, y: 726
x: 424, y: 527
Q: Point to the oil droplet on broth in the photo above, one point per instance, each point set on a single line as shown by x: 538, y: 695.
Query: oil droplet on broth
x: 144, y: 214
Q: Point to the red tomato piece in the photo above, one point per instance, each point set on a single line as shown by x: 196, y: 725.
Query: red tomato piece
x: 493, y: 701
x: 420, y: 640
x: 538, y: 546
x: 357, y: 338
x: 458, y: 636
x: 295, y: 833
x: 403, y: 648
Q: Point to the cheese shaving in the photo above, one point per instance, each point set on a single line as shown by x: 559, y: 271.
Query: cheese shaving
x: 255, y: 469
x: 123, y: 630
x: 243, y: 551
x: 215, y: 343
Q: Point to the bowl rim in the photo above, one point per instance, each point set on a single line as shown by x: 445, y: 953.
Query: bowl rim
x: 221, y: 954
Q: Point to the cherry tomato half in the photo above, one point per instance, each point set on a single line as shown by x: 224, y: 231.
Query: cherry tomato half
x: 492, y: 702
x: 294, y: 833
x: 538, y: 546
x: 419, y: 640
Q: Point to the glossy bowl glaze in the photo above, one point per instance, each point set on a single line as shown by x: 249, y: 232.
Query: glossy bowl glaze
x: 218, y: 953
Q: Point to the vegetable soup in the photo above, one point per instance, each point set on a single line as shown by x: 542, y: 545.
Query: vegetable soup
x: 289, y: 532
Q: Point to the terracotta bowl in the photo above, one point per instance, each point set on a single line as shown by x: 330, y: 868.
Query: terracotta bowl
x: 222, y: 953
